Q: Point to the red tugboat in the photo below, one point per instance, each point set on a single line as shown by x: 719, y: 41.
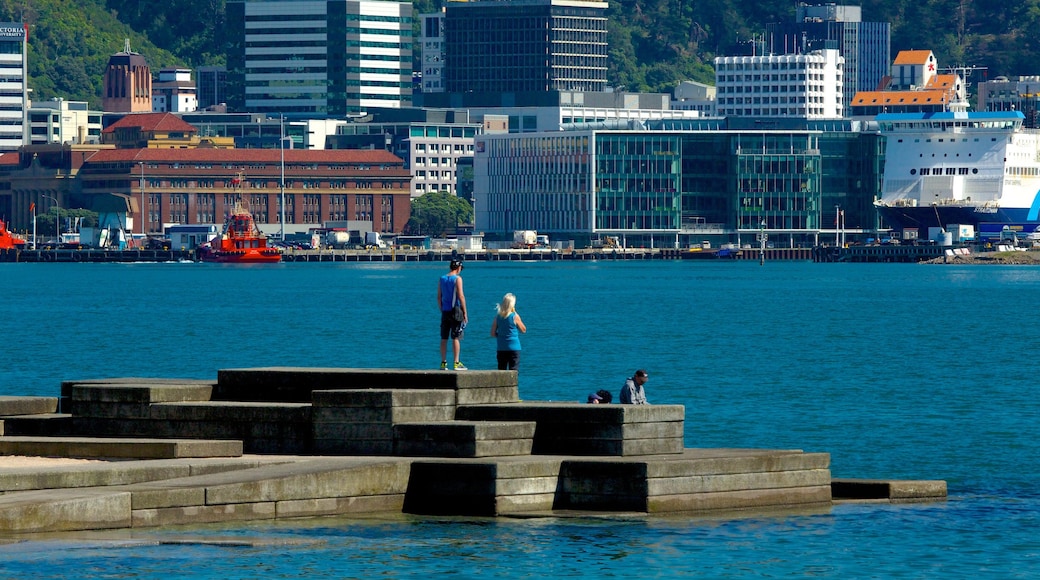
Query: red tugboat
x: 8, y: 240
x: 241, y: 242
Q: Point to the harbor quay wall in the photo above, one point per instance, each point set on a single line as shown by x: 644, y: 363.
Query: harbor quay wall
x: 281, y: 442
x: 395, y: 255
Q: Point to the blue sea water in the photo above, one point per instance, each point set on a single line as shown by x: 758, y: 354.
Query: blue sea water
x: 897, y: 370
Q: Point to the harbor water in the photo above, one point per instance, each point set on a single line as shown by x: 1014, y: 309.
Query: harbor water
x: 901, y: 371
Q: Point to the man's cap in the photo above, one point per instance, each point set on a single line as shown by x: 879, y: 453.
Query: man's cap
x: 594, y: 397
x: 640, y: 373
x: 456, y: 264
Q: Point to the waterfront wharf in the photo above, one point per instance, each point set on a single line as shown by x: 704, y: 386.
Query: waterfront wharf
x: 417, y: 255
x: 284, y: 442
x: 880, y: 253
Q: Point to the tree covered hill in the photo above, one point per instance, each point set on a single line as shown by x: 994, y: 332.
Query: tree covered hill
x: 653, y: 43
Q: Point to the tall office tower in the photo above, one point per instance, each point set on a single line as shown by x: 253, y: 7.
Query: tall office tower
x: 864, y: 45
x: 496, y: 46
x: 128, y: 83
x: 319, y: 58
x: 14, y: 97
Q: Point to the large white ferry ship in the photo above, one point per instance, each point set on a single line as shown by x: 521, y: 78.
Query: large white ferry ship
x: 966, y: 168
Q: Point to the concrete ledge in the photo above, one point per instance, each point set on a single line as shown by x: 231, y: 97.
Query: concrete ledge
x: 118, y: 448
x: 599, y: 430
x: 67, y: 386
x: 695, y: 480
x: 888, y: 490
x: 481, y: 488
x: 118, y: 473
x: 464, y: 439
x: 64, y: 510
x: 144, y: 392
x: 295, y: 384
x: 11, y: 406
x: 361, y: 421
x: 49, y: 424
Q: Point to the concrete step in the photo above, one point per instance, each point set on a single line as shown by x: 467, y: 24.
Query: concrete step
x: 895, y: 491
x: 482, y: 487
x: 691, y: 481
x: 602, y: 430
x: 14, y: 406
x: 85, y: 447
x: 361, y: 421
x: 464, y: 439
x: 295, y: 384
x: 283, y: 428
x: 44, y: 425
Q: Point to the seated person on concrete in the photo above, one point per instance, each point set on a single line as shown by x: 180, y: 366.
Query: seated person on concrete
x: 632, y: 393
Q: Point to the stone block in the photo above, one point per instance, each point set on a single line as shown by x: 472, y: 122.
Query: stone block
x: 481, y: 487
x: 67, y: 386
x: 52, y: 424
x: 295, y: 384
x: 580, y: 429
x: 143, y: 392
x: 144, y: 496
x: 367, y: 447
x: 888, y: 490
x: 340, y: 506
x: 695, y: 480
x: 64, y: 510
x: 771, y: 498
x: 232, y: 411
x: 13, y: 406
x: 90, y: 475
x: 382, y: 398
x: 87, y: 447
x: 206, y: 514
x: 312, y: 479
x: 464, y: 439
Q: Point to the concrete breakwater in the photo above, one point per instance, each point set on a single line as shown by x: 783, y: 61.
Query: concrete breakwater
x: 285, y: 442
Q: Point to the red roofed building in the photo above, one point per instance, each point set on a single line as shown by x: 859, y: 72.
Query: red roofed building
x: 201, y: 185
x: 141, y: 130
x: 915, y: 86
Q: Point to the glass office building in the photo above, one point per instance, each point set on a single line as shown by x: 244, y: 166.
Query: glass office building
x: 676, y: 183
x: 497, y: 46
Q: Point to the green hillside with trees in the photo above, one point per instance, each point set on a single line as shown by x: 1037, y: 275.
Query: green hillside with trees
x: 653, y: 43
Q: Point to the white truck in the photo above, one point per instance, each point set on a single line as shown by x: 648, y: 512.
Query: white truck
x: 374, y: 240
x: 525, y: 238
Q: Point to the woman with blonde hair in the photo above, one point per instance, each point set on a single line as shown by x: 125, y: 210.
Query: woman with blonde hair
x: 507, y: 327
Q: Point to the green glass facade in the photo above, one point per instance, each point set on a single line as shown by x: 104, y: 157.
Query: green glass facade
x: 666, y: 187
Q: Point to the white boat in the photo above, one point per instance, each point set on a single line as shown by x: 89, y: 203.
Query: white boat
x: 966, y: 168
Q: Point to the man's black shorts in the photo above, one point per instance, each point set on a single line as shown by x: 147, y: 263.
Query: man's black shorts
x: 449, y: 327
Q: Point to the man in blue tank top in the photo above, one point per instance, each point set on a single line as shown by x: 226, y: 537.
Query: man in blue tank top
x: 449, y: 293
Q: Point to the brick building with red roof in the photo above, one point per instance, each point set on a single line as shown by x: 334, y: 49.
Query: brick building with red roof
x: 201, y: 185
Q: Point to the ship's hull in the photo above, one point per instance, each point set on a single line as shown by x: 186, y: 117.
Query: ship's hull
x: 922, y: 218
x: 251, y: 256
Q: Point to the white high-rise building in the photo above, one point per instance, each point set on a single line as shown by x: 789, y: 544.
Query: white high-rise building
x: 308, y: 58
x: 14, y: 100
x: 807, y: 86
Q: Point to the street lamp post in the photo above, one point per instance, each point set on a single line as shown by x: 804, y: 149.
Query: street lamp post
x: 281, y: 150
x: 57, y: 221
